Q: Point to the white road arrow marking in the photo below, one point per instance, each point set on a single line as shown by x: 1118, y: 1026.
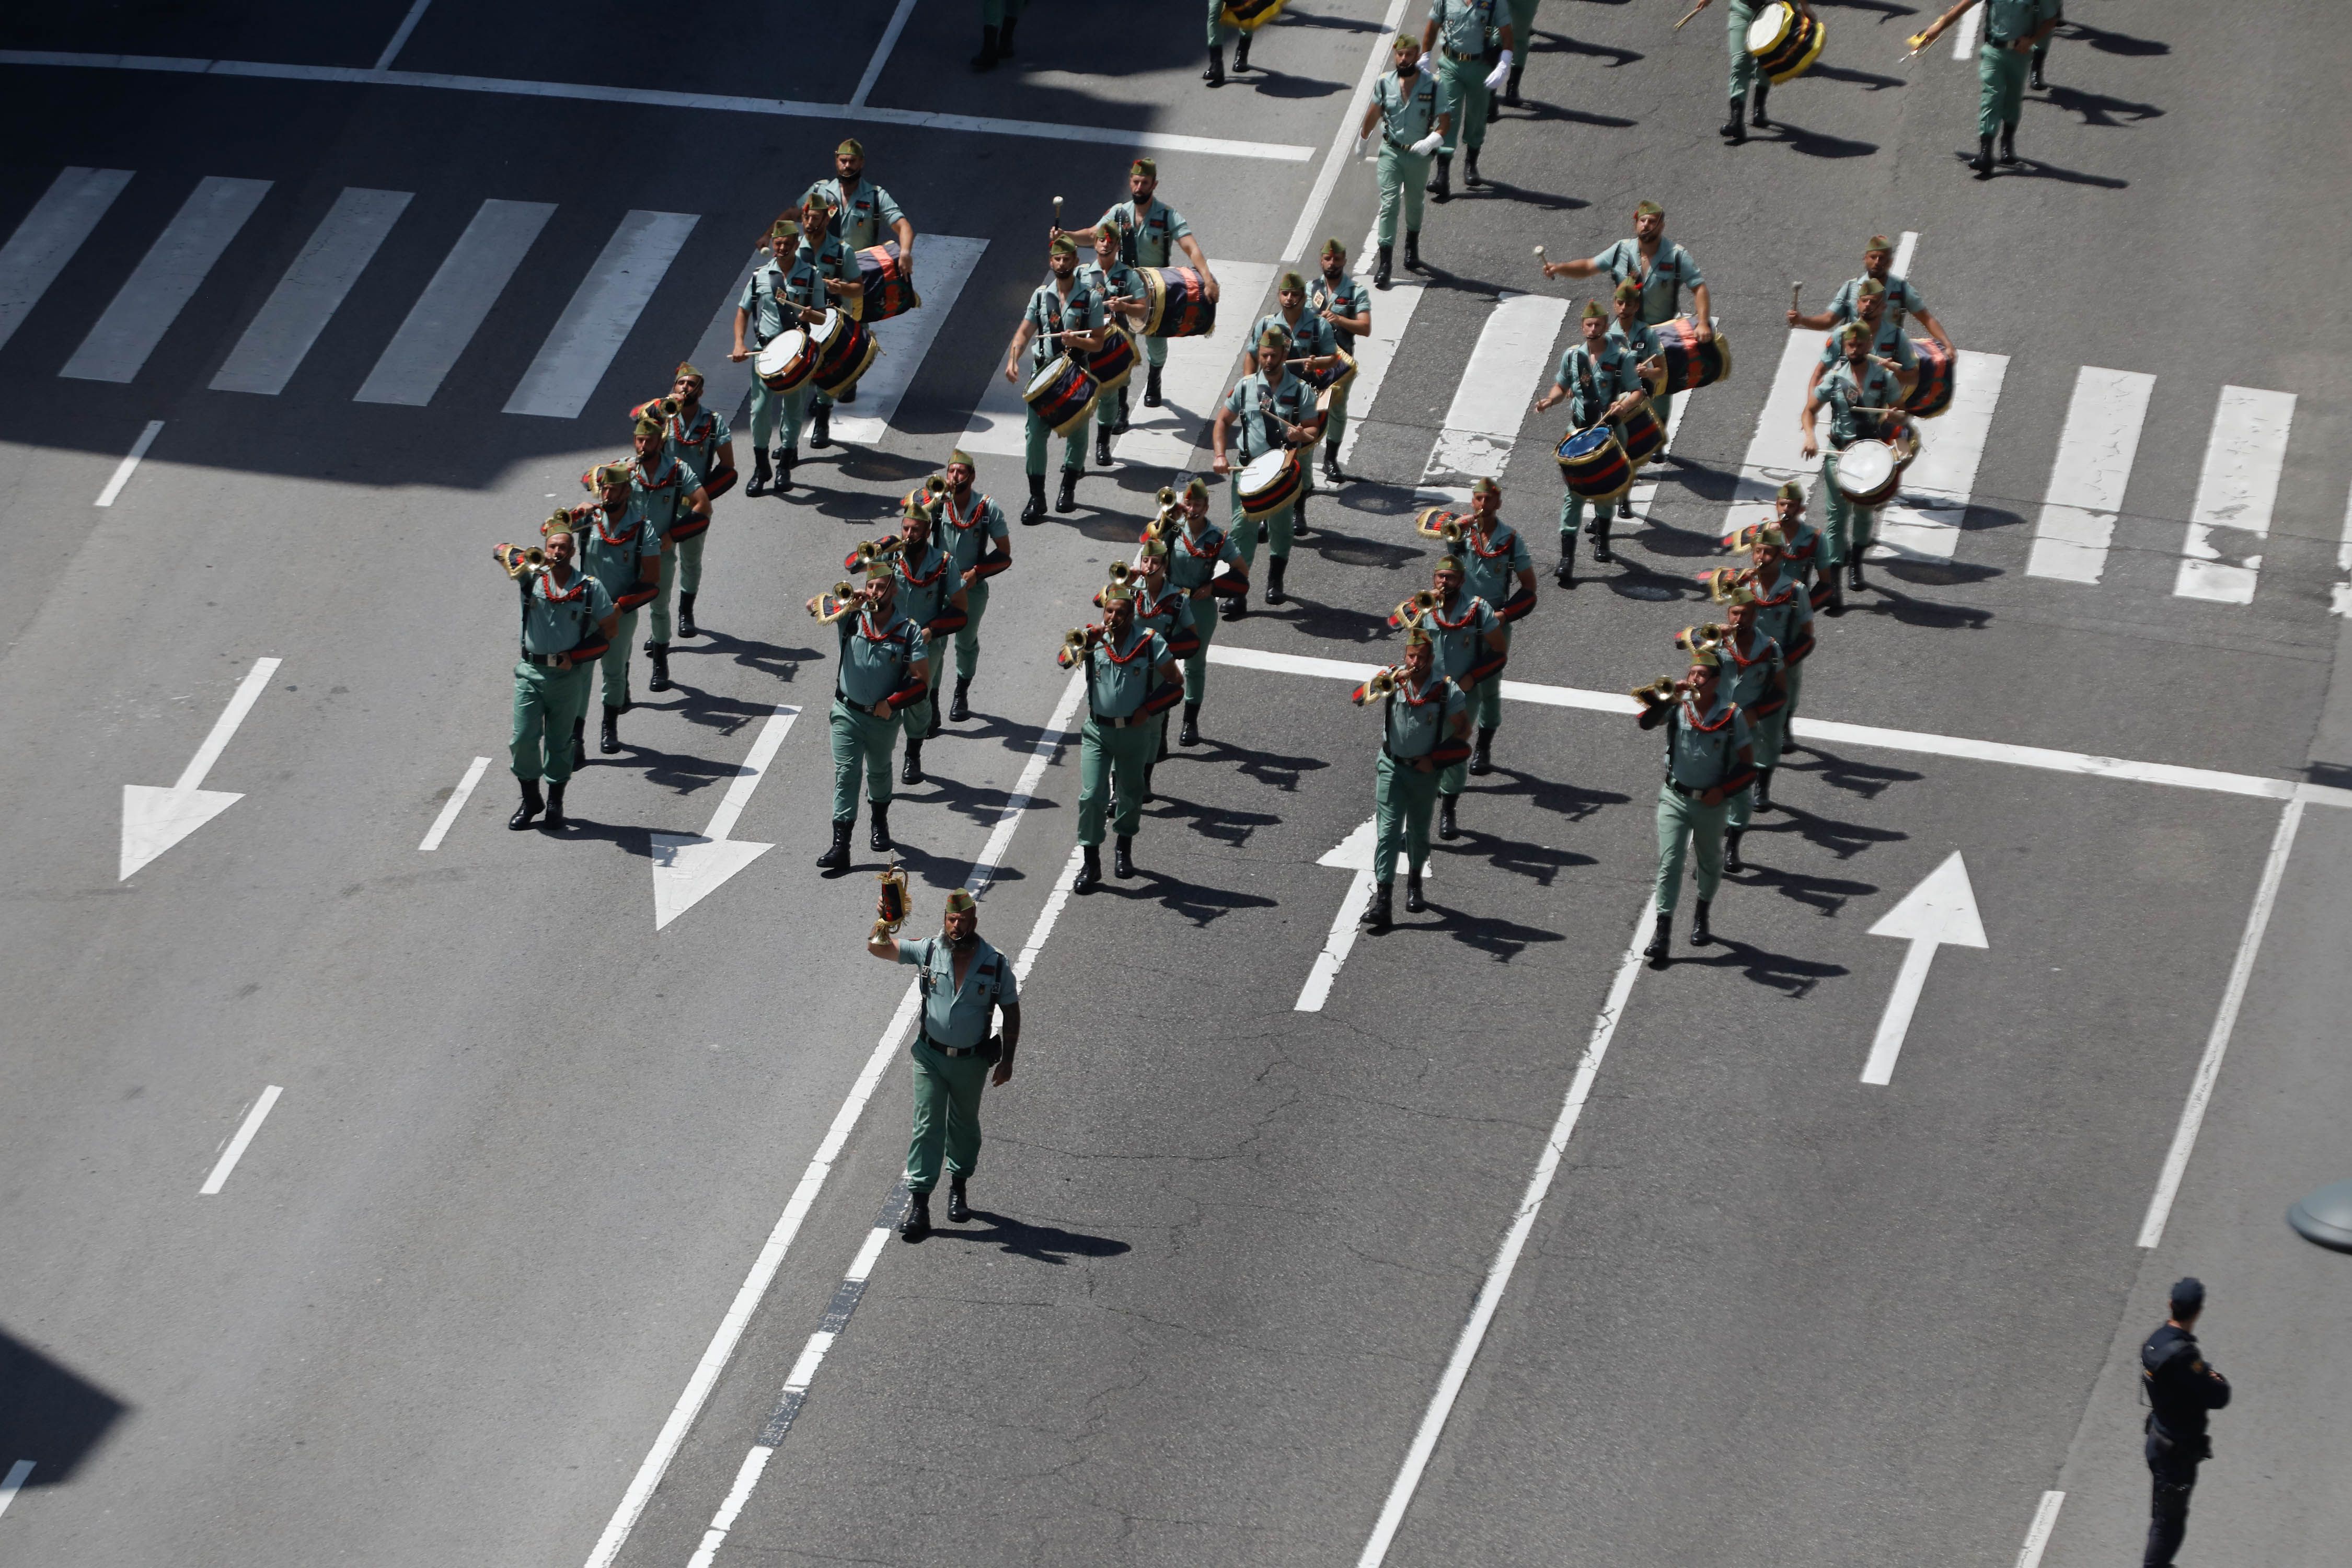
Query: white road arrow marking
x: 155, y: 819
x: 686, y: 865
x: 1941, y: 909
x: 1353, y: 853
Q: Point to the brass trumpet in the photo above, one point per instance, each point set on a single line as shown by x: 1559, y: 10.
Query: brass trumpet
x: 894, y: 899
x: 875, y: 549
x: 1700, y: 639
x: 1723, y: 579
x: 1381, y: 684
x: 1074, y: 648
x: 519, y: 561
x: 1656, y: 694
x: 831, y: 606
x: 1410, y: 610
x: 1119, y: 573
x: 1436, y: 522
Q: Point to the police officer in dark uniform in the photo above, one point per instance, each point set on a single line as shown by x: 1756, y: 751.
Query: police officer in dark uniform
x: 2180, y: 1389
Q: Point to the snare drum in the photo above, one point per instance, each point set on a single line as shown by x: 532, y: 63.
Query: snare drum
x: 1062, y: 394
x: 1269, y: 483
x: 1113, y: 363
x: 1176, y: 303
x: 1690, y: 363
x: 1249, y: 16
x: 1870, y: 472
x: 1785, y: 41
x: 1330, y: 383
x: 1932, y: 393
x: 1642, y: 436
x: 889, y: 285
x: 785, y: 363
x: 845, y: 347
x: 1593, y: 463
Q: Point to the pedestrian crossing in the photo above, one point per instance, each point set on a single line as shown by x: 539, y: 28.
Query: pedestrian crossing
x: 454, y: 303
x: 307, y: 297
x: 166, y: 279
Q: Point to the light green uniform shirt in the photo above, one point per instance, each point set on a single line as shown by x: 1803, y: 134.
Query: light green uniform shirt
x: 1409, y: 113
x: 557, y: 624
x: 1662, y: 278
x: 1194, y: 558
x: 1420, y: 718
x: 659, y: 491
x: 1892, y: 342
x: 613, y: 548
x: 874, y: 660
x: 1751, y: 682
x: 2007, y: 21
x: 1491, y: 563
x: 861, y: 221
x: 1841, y: 391
x: 960, y: 1015
x: 1116, y: 686
x: 1703, y: 758
x: 1147, y: 237
x: 1463, y: 25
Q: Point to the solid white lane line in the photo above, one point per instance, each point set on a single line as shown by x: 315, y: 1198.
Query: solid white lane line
x: 447, y: 314
x: 311, y: 292
x: 2093, y: 470
x: 1336, y: 945
x: 48, y: 237
x: 129, y: 464
x: 581, y: 346
x: 248, y: 692
x: 2037, y: 1534
x: 2235, y: 491
x: 747, y: 778
x: 779, y: 1239
x: 399, y: 40
x: 1302, y: 233
x: 1964, y: 34
x: 152, y: 297
x: 18, y: 1474
x: 656, y: 98
x: 2342, y: 599
x: 456, y: 803
x: 1509, y: 368
x: 2217, y: 1044
x: 1775, y: 452
x: 238, y: 1144
x: 1911, y: 740
x: 943, y: 265
x: 1924, y: 522
x: 882, y: 53
x: 1506, y: 1257
x: 1905, y: 248
x: 1198, y: 372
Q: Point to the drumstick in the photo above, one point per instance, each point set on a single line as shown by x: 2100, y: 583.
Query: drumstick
x: 1794, y: 290
x: 1058, y: 215
x: 1688, y: 15
x: 1540, y: 264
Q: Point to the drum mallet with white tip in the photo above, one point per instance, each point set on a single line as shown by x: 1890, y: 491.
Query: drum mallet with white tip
x: 1540, y: 265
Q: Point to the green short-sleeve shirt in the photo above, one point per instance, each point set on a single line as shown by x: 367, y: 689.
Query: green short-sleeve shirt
x: 1148, y: 235
x: 613, y: 548
x: 1459, y: 630
x: 966, y: 533
x: 1194, y: 558
x: 659, y: 492
x: 1051, y: 314
x: 1702, y: 751
x: 696, y: 444
x: 1117, y: 681
x: 1310, y: 335
x: 1491, y: 563
x: 960, y: 1017
x: 1750, y: 679
x: 1901, y: 298
x: 1662, y: 278
x: 1843, y: 392
x: 1346, y: 298
x: 1596, y: 381
x: 763, y: 300
x: 1420, y: 718
x: 2007, y: 21
x: 1253, y: 401
x: 1409, y: 113
x: 1463, y: 25
x: 1784, y: 613
x: 876, y: 659
x: 1892, y: 342
x: 554, y: 621
x: 925, y: 582
x: 1169, y: 615
x: 859, y: 221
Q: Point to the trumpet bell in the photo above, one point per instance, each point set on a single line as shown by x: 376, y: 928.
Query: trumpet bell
x: 894, y: 897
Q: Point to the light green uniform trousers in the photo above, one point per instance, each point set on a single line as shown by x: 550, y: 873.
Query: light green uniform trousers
x: 682, y: 572
x: 967, y: 641
x: 1335, y: 422
x: 2000, y: 87
x: 1486, y: 701
x: 1738, y: 16
x: 1684, y: 825
x: 546, y: 701
x: 1523, y: 28
x: 770, y: 409
x: 947, y: 1116
x: 1851, y: 527
x: 1196, y: 663
x: 1073, y: 447
x: 615, y: 663
x: 1788, y: 714
x: 1113, y: 760
x: 1767, y: 734
x: 861, y: 742
x: 1404, y: 176
x: 1404, y: 797
x: 1218, y: 31
x: 1245, y: 532
x: 1466, y: 82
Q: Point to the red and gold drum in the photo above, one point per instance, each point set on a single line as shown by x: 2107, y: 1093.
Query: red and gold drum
x: 1062, y: 394
x: 1932, y: 393
x: 845, y: 347
x: 1269, y: 482
x: 1112, y: 363
x: 1593, y: 465
x: 1690, y: 363
x: 889, y: 284
x: 1642, y: 437
x: 787, y: 361
x: 1176, y: 303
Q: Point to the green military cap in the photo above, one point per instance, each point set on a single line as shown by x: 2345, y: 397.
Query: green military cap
x: 852, y: 146
x: 1153, y: 547
x: 557, y: 521
x: 1145, y: 167
x: 1447, y: 564
x: 959, y: 456
x: 1291, y: 283
x: 550, y: 531
x: 1416, y: 634
x: 1196, y: 486
x: 686, y: 368
x: 609, y: 476
x: 1273, y: 338
x: 1063, y: 246
x: 1870, y: 286
x: 961, y: 902
x: 1406, y: 41
x: 817, y: 202
x: 1877, y: 242
x: 1736, y: 593
x: 1771, y: 538
x: 1593, y: 312
x: 1117, y: 593
x: 651, y: 425
x: 913, y: 508
x: 1854, y: 332
x: 1705, y: 659
x: 1485, y: 486
x: 1333, y: 247
x: 1648, y: 209
x: 880, y: 568
x: 785, y: 228
x: 1629, y: 289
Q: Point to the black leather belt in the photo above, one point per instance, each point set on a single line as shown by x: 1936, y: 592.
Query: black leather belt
x: 546, y: 658
x: 951, y: 1050
x: 1129, y: 722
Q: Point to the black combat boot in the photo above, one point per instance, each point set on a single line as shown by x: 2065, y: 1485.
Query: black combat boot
x: 1446, y: 828
x: 1565, y: 572
x: 961, y: 709
x: 1190, y: 735
x: 1470, y: 175
x: 1275, y: 567
x: 1853, y: 572
x: 1661, y: 942
x: 1763, y: 789
x: 554, y: 817
x: 2035, y: 81
x: 932, y: 733
x: 1511, y: 88
x: 959, y: 1204
x: 1441, y: 184
x: 837, y: 857
x: 1069, y: 500
x: 820, y: 427
x: 1149, y: 768
x: 1004, y: 39
x: 608, y: 739
x: 1215, y: 74
x: 917, y: 1223
x: 1034, y: 512
x: 1413, y: 252
x: 1241, y: 53
x: 659, y: 653
x: 1152, y: 387
x: 1982, y: 162
x: 910, y: 768
x: 1102, y: 445
x: 1734, y: 130
x: 1700, y: 935
x: 1299, y: 518
x: 1413, y: 902
x: 878, y: 832
x: 758, y: 483
x: 1089, y: 869
x: 785, y: 457
x: 1123, y: 856
x: 1331, y: 463
x: 1120, y: 426
x: 1482, y: 751
x: 1236, y: 606
x: 1755, y: 115
x: 1380, y: 267
x: 530, y: 807
x: 1381, y: 911
x: 1601, y: 551
x: 579, y: 739
x: 686, y: 626
x: 2008, y: 158
x: 986, y: 59
x: 1732, y: 861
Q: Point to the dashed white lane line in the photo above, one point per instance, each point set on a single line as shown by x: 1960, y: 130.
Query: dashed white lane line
x: 399, y: 39
x: 882, y: 54
x: 2037, y: 1534
x: 129, y: 464
x: 1924, y: 522
x: 2341, y: 600
x: 456, y: 803
x: 1964, y: 34
x: 238, y: 1144
x: 13, y: 1482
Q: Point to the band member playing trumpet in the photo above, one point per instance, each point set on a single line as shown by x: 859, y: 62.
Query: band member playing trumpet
x: 1167, y: 610
x: 1314, y: 350
x: 1149, y: 233
x: 1600, y: 382
x: 567, y: 620
x: 1205, y: 564
x: 1061, y: 318
x: 1126, y: 670
x: 1472, y: 648
x: 620, y: 549
x: 1424, y: 732
x: 1119, y: 289
x: 1337, y: 297
x: 704, y: 445
x: 1861, y: 395
x: 965, y: 983
x: 797, y: 293
x: 1266, y: 411
x: 972, y: 531
x: 1754, y: 675
x: 666, y: 493
x: 1902, y: 299
x: 1496, y: 568
x: 883, y: 679
x: 933, y: 596
x: 1784, y: 614
x: 1710, y: 757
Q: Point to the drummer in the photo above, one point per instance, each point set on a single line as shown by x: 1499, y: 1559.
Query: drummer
x: 1119, y: 287
x: 1740, y: 15
x: 1061, y: 318
x: 1857, y: 393
x: 861, y: 211
x: 1662, y: 269
x: 1203, y: 562
x: 1888, y: 340
x: 1637, y: 335
x: 1340, y: 299
x: 1599, y: 381
x: 1902, y: 299
x: 1149, y: 230
x: 1497, y: 568
x: 786, y: 295
x: 1314, y: 351
x: 1267, y: 410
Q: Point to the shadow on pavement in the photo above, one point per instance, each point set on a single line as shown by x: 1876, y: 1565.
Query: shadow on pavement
x: 49, y: 1414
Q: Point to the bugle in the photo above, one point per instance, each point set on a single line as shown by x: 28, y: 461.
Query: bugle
x: 1073, y: 648
x: 894, y: 899
x: 519, y: 561
x: 1409, y: 611
x: 1383, y: 683
x: 1700, y: 639
x: 831, y: 606
x: 1656, y: 694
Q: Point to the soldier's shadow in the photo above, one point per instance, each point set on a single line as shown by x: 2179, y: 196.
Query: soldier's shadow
x: 1551, y: 795
x: 1870, y: 80
x: 1842, y: 839
x: 1221, y: 823
x: 1819, y: 143
x: 1913, y: 610
x: 723, y: 715
x: 2098, y: 109
x: 767, y: 658
x: 1501, y: 939
x: 1609, y: 52
x: 1794, y: 978
x: 982, y: 803
x: 1269, y: 768
x: 1535, y: 862
x: 1824, y: 895
x: 1037, y: 1243
x: 1199, y: 904
x: 1868, y: 780
x: 1335, y: 623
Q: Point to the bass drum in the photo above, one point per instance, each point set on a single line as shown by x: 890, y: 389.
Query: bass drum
x: 1062, y: 394
x: 1176, y: 303
x: 787, y: 361
x: 1690, y: 363
x: 1933, y: 393
x: 1593, y: 465
x: 845, y: 347
x: 1268, y: 483
x: 1785, y: 42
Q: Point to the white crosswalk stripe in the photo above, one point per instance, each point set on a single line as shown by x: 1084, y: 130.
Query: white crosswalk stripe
x: 2235, y: 493
x: 943, y: 264
x: 1376, y: 351
x: 1775, y: 452
x: 2087, y: 480
x: 454, y: 304
x: 1508, y: 369
x: 581, y: 347
x: 152, y: 297
x: 42, y: 245
x: 311, y: 292
x: 1198, y: 372
x: 1923, y: 522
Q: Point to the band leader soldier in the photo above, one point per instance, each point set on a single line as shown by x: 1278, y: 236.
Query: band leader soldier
x: 1414, y: 119
x: 2180, y: 1389
x: 1458, y: 32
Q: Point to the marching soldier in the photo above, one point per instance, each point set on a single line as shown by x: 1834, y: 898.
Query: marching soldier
x: 1165, y: 610
x: 884, y: 677
x: 2181, y: 1390
x: 1457, y: 33
x: 1421, y: 738
x: 1902, y: 299
x: 1218, y: 32
x: 1661, y: 269
x: 1799, y: 550
x: 1337, y: 297
x: 1150, y: 232
x: 1497, y: 567
x: 1600, y: 382
x: 1415, y: 119
x: 931, y: 595
x: 1267, y: 410
x: 1061, y: 318
x: 1887, y: 341
x: 619, y: 548
x: 1130, y: 678
x: 972, y: 529
x: 567, y: 621
x: 701, y: 439
x: 1637, y: 337
x: 1709, y: 758
x: 1784, y: 615
x: 665, y: 492
x: 861, y: 210
x: 1755, y: 679
x: 1471, y: 649
x: 997, y: 20
x: 1523, y: 29
x: 2013, y: 29
x: 1205, y: 564
x: 1858, y: 393
x: 784, y: 294
x: 1314, y: 351
x: 1119, y: 290
x: 965, y: 983
x: 1739, y: 15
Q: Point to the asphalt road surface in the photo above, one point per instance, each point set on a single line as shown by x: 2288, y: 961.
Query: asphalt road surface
x: 380, y: 1186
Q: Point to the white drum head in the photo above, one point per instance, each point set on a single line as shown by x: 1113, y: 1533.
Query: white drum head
x: 1262, y: 470
x: 828, y: 330
x: 1771, y: 24
x: 1054, y: 370
x: 1864, y: 467
x: 771, y: 359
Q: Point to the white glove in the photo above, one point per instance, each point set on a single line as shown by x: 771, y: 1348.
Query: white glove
x: 1494, y: 77
x: 1356, y: 148
x: 1423, y: 66
x: 1429, y: 144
